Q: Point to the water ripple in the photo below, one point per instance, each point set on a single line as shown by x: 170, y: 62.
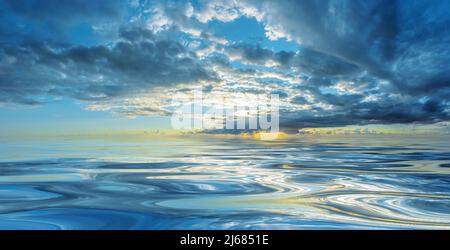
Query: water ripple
x: 232, y: 184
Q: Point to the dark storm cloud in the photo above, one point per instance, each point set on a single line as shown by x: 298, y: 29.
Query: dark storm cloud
x: 299, y: 100
x: 134, y: 64
x: 305, y: 60
x: 348, y: 109
x: 320, y: 65
x: 406, y: 42
x: 251, y: 53
x: 321, y: 71
x: 360, y: 113
x: 354, y: 31
x: 398, y: 51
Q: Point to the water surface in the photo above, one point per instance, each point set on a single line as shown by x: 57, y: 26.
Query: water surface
x: 310, y: 182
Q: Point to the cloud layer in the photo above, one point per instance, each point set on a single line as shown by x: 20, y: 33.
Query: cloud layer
x: 356, y: 62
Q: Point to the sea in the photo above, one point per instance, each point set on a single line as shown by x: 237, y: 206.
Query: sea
x: 209, y: 182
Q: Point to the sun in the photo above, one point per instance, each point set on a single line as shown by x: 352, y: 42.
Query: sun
x: 269, y: 136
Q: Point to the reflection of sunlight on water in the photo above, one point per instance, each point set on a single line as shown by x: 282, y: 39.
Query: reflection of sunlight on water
x: 357, y: 182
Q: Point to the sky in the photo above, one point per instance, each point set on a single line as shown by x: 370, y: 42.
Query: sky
x: 93, y: 66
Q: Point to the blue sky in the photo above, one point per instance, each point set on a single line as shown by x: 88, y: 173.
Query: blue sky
x: 92, y: 66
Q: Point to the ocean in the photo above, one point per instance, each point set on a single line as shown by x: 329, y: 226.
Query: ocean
x: 207, y: 182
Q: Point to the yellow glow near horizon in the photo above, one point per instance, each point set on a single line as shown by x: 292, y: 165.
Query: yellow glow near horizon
x: 269, y: 136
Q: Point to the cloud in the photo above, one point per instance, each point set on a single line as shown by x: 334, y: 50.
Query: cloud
x: 403, y: 42
x: 358, y: 32
x: 136, y: 63
x: 306, y: 60
x: 225, y: 11
x: 393, y: 53
x: 358, y: 62
x: 340, y: 93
